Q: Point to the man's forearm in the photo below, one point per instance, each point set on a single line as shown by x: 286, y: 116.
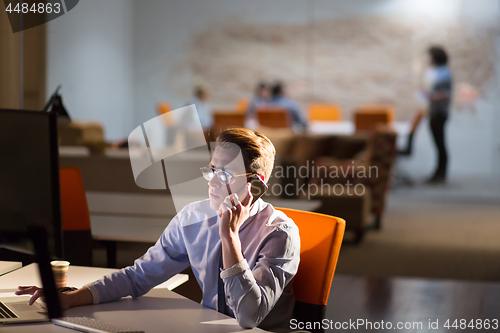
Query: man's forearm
x: 82, y: 296
x: 231, y: 251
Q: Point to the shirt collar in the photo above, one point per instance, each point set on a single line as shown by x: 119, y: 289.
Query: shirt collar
x: 257, y: 207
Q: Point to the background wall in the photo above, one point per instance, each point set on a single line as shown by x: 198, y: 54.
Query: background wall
x: 30, y: 92
x: 90, y: 52
x: 118, y: 59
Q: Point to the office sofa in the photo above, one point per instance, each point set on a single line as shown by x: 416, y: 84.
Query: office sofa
x: 359, y: 199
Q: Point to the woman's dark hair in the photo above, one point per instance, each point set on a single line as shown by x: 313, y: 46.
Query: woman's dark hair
x: 438, y: 56
x: 277, y: 89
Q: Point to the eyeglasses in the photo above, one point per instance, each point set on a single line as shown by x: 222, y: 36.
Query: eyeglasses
x: 224, y: 177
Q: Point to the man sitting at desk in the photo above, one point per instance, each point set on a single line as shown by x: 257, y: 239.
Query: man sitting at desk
x: 279, y: 99
x: 259, y: 245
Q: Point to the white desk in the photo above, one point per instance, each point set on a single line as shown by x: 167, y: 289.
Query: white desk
x: 402, y: 128
x: 78, y: 276
x: 8, y: 266
x: 160, y: 310
x: 331, y: 127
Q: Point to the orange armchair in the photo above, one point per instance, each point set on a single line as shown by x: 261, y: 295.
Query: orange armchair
x: 325, y: 112
x: 320, y: 241
x: 225, y: 120
x: 242, y: 105
x: 163, y: 108
x: 75, y: 217
x: 274, y: 117
x: 368, y: 117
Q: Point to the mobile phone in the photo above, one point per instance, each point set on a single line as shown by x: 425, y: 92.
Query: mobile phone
x: 257, y: 188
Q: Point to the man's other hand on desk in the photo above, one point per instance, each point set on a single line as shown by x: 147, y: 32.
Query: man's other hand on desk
x: 67, y: 299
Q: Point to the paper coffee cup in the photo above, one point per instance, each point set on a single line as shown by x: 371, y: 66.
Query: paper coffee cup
x: 60, y: 271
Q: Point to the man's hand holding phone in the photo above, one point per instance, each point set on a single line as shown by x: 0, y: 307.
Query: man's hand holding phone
x: 234, y: 212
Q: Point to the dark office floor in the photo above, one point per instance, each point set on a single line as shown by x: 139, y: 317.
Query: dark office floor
x: 448, y: 232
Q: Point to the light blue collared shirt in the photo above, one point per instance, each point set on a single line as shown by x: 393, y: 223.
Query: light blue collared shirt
x: 439, y: 79
x: 271, y: 247
x: 292, y: 107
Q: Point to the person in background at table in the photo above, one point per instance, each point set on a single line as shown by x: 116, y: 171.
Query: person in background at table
x: 279, y: 99
x: 243, y: 256
x: 262, y: 97
x: 205, y: 112
x: 438, y: 80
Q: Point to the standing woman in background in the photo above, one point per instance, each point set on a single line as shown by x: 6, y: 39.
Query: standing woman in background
x: 439, y: 84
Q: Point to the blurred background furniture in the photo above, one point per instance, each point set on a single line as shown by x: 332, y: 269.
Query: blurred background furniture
x: 163, y: 107
x: 400, y: 176
x: 383, y: 157
x: 334, y: 169
x: 79, y: 133
x: 324, y: 112
x: 227, y: 119
x: 75, y: 216
x: 273, y: 117
x: 414, y: 125
x: 364, y: 160
x: 320, y: 241
x: 242, y: 105
x: 367, y: 117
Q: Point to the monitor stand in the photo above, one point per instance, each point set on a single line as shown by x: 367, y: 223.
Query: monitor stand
x: 38, y: 236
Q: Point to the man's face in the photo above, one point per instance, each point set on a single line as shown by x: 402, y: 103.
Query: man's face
x: 227, y: 160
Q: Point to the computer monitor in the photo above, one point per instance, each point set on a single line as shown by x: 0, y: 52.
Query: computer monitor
x: 29, y: 180
x: 30, y: 209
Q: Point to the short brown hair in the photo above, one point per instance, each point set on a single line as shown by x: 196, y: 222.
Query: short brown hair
x: 257, y: 150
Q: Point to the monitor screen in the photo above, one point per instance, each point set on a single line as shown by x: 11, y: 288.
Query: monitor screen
x: 29, y: 179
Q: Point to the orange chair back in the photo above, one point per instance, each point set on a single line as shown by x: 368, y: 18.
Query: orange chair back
x: 273, y: 117
x: 74, y: 208
x: 163, y: 108
x: 320, y: 241
x: 242, y: 105
x: 324, y: 112
x: 368, y: 117
x: 229, y: 119
x: 379, y: 108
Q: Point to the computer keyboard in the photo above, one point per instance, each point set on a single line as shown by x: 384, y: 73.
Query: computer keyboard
x: 85, y: 324
x: 5, y: 312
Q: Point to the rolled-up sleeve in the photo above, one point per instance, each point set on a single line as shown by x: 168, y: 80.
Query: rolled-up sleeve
x: 252, y: 293
x: 162, y: 261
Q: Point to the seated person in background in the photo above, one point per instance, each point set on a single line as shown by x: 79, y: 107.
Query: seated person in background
x: 205, y: 113
x: 258, y: 245
x: 262, y: 96
x: 279, y: 99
